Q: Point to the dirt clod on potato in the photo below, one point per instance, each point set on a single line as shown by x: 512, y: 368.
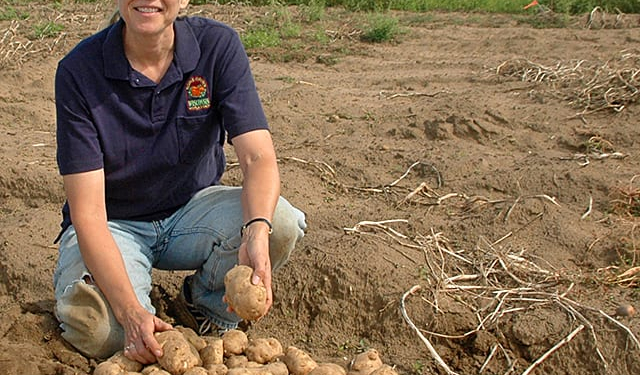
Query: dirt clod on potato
x: 248, y: 301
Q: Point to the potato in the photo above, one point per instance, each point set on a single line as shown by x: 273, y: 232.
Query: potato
x: 365, y: 363
x: 154, y: 369
x: 218, y: 369
x: 234, y: 342
x: 179, y: 355
x: 328, y: 369
x: 240, y: 361
x: 197, y: 371
x: 248, y: 301
x: 298, y: 362
x: 213, y: 353
x: 246, y: 371
x: 125, y: 363
x: 236, y: 361
x: 191, y: 336
x: 384, y: 370
x: 263, y: 350
x: 108, y: 368
x: 276, y: 368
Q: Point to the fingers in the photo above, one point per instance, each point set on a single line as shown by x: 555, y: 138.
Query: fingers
x: 140, y: 342
x: 153, y: 346
x: 137, y: 350
x: 254, y: 252
x: 161, y: 325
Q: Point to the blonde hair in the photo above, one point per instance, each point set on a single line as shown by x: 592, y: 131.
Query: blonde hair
x: 114, y: 16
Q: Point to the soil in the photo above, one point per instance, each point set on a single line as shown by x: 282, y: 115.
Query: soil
x: 434, y: 160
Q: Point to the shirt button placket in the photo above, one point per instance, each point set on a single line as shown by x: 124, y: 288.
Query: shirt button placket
x: 157, y: 107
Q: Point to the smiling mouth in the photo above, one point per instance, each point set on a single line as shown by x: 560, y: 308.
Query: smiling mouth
x: 147, y: 10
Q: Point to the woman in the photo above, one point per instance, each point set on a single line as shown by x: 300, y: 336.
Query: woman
x: 143, y: 110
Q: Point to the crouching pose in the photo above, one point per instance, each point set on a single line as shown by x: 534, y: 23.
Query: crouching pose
x: 144, y: 108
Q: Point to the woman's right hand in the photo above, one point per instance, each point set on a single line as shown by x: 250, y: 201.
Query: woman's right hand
x: 85, y: 194
x: 140, y: 343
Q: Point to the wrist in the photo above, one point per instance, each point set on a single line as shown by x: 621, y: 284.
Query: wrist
x: 255, y: 223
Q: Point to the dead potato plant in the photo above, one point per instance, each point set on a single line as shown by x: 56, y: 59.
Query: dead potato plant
x: 494, y: 281
x: 591, y: 86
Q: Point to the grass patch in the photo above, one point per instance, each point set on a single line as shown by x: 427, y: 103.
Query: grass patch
x: 10, y: 13
x: 313, y: 11
x: 47, y: 30
x: 261, y: 38
x: 381, y: 28
x: 491, y: 6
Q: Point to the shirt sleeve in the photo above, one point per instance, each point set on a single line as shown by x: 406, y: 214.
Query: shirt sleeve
x: 237, y: 97
x: 78, y: 146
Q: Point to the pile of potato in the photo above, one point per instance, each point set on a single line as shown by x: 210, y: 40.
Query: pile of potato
x: 186, y: 353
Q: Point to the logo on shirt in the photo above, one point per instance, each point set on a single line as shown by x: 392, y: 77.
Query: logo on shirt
x: 197, y: 94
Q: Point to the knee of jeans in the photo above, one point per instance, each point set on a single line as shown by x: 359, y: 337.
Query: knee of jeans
x: 288, y: 228
x: 87, y: 321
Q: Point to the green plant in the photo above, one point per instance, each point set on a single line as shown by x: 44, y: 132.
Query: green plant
x: 360, y: 346
x: 287, y: 79
x: 313, y: 11
x: 47, y: 29
x: 11, y: 13
x: 381, y: 28
x: 417, y: 367
x: 320, y: 36
x: 262, y: 37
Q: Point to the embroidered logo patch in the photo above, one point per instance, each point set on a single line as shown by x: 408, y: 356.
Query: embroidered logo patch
x: 197, y: 94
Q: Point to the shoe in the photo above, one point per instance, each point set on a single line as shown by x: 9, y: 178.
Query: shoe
x: 189, y: 315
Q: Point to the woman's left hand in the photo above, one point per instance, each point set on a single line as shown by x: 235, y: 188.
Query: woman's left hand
x: 254, y: 252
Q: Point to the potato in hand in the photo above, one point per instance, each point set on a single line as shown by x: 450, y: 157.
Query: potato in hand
x: 248, y: 301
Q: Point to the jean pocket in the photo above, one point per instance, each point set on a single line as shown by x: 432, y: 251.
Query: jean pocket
x: 197, y: 138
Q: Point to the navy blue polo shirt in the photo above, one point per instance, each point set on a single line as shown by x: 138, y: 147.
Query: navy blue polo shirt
x: 158, y: 143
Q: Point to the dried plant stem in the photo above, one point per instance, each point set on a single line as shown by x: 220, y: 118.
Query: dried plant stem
x: 624, y: 327
x: 430, y: 347
x: 557, y: 346
x: 489, y: 357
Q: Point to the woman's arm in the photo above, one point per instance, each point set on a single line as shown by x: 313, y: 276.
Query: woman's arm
x: 260, y: 193
x: 86, y: 197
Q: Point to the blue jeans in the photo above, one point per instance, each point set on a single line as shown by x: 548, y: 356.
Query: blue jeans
x: 204, y: 236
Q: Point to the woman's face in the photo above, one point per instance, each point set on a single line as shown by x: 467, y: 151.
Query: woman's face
x: 150, y: 17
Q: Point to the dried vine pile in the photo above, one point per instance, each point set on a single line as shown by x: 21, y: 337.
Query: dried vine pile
x: 493, y: 283
x: 591, y: 86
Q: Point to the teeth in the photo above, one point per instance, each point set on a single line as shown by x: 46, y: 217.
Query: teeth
x: 148, y: 10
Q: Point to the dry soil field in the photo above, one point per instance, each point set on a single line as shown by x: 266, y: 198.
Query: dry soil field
x: 491, y: 164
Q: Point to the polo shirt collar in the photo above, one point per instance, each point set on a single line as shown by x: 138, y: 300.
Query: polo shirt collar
x: 115, y: 62
x: 116, y: 66
x: 187, y: 51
